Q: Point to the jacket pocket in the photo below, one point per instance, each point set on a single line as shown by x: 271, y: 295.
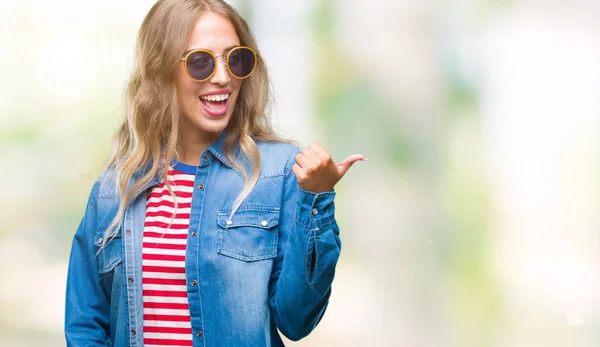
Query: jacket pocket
x: 111, y: 254
x: 250, y: 235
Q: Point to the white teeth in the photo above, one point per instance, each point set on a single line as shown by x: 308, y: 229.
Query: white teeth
x: 220, y: 97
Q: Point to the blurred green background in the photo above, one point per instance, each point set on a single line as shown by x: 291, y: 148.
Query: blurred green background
x: 473, y: 223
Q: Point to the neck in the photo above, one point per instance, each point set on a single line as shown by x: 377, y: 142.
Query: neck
x: 192, y: 146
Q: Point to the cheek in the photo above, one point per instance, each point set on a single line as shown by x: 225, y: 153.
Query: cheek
x: 185, y: 85
x: 179, y: 77
x: 236, y: 86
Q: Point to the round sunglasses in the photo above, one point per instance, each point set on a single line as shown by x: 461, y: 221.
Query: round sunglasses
x: 200, y: 64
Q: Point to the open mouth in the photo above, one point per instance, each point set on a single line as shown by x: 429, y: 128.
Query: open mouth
x: 215, y: 105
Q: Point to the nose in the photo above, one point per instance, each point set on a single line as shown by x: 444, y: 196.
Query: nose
x: 221, y: 75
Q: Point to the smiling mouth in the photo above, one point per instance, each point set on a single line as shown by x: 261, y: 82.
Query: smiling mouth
x: 215, y: 105
x: 214, y: 100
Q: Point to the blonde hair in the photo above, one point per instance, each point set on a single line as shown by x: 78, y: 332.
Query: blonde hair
x: 149, y: 132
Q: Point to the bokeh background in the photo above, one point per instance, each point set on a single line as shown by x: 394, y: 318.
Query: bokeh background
x: 475, y: 221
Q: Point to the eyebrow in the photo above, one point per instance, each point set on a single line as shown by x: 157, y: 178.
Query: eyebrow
x: 225, y: 51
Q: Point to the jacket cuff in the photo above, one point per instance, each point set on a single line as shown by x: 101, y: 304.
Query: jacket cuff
x: 315, y: 209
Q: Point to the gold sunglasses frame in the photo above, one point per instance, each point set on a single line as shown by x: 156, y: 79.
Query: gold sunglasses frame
x: 226, y: 61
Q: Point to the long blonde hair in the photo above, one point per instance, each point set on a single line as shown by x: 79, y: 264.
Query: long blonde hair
x: 149, y: 135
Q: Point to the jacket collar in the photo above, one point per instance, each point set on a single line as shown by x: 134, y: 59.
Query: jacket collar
x: 216, y: 148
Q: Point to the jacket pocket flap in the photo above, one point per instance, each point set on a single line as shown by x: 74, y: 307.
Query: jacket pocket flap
x: 251, y: 234
x: 111, y: 254
x: 250, y: 216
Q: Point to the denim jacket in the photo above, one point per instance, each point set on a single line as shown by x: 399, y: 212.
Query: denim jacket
x: 245, y: 278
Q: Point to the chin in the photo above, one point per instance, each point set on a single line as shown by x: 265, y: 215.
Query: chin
x: 210, y: 125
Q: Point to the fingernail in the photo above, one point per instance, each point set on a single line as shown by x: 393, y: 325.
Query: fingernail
x: 365, y: 159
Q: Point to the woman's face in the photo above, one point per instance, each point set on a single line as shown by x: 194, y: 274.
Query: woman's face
x: 203, y: 119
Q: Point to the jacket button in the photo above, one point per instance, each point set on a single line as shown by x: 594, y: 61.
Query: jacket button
x: 100, y: 240
x: 193, y: 283
x: 199, y: 333
x: 127, y: 232
x: 132, y: 332
x: 229, y: 222
x: 130, y: 280
x: 201, y: 186
x: 264, y: 223
x: 315, y: 211
x: 194, y: 233
x: 206, y: 156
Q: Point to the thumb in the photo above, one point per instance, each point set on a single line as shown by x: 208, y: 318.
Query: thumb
x: 345, y: 164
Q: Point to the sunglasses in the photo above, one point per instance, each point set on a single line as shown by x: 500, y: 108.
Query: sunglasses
x: 201, y: 64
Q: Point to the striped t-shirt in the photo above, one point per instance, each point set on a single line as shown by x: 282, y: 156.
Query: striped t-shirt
x: 166, y: 311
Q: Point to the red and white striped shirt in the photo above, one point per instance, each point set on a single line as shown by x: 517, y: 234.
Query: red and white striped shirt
x: 166, y: 311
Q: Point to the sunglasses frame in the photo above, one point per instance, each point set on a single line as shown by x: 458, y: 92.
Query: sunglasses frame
x: 226, y: 60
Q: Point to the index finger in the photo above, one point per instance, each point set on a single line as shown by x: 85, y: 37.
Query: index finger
x: 321, y: 151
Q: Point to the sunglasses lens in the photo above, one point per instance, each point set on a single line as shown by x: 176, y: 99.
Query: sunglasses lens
x: 241, y: 62
x: 200, y: 65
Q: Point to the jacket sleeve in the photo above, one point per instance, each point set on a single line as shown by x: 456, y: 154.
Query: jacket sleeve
x: 87, y: 307
x: 309, y: 248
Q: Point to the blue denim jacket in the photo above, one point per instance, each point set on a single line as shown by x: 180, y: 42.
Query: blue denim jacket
x: 250, y: 278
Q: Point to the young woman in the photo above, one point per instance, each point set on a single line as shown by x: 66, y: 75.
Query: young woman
x: 206, y: 228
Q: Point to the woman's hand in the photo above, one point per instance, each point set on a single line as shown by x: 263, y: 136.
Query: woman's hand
x: 315, y: 170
